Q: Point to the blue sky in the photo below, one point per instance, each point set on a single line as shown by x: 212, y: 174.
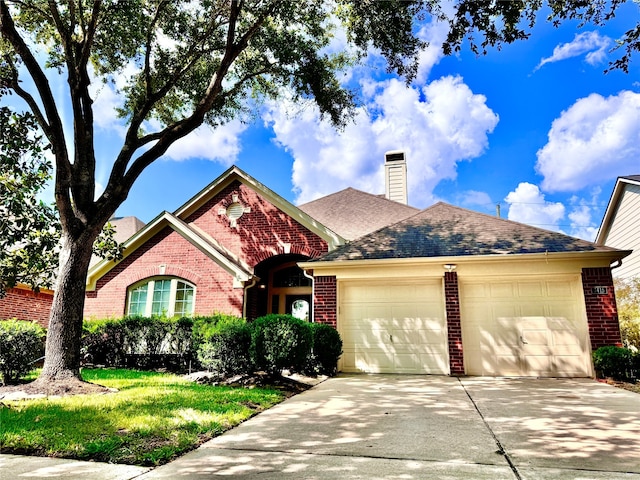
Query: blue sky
x: 536, y: 127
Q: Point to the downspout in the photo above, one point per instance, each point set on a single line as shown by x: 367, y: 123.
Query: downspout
x: 313, y: 286
x: 254, y: 280
x: 619, y: 264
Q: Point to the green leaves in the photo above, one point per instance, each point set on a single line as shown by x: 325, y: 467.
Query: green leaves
x: 29, y: 230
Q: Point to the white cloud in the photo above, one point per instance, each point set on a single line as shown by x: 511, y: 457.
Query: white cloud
x: 596, y: 139
x: 438, y: 126
x: 581, y: 216
x: 476, y: 198
x: 106, y: 100
x: 221, y: 143
x: 435, y: 33
x: 581, y: 227
x: 527, y: 204
x: 590, y: 43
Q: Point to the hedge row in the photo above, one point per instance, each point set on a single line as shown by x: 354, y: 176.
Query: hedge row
x: 147, y: 343
x: 617, y: 362
x: 223, y: 344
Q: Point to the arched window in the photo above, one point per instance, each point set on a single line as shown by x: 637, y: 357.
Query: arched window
x: 170, y: 297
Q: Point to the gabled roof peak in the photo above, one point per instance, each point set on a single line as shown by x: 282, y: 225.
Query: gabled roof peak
x: 353, y: 213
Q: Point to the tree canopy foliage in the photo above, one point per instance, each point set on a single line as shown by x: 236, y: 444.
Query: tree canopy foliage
x: 30, y: 230
x: 489, y: 23
x: 628, y: 300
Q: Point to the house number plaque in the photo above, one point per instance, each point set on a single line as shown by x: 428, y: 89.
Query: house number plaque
x: 600, y: 290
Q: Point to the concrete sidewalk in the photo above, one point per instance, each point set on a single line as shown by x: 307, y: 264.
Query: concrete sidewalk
x: 412, y: 427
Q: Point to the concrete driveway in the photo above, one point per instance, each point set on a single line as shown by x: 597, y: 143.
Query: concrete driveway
x: 409, y: 427
x: 416, y: 427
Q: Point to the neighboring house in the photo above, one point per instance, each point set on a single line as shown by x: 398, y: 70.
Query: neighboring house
x: 620, y: 226
x: 125, y: 228
x: 444, y: 290
x: 22, y: 303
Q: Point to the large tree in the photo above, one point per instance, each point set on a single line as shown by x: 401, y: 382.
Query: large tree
x: 192, y: 62
x: 182, y: 63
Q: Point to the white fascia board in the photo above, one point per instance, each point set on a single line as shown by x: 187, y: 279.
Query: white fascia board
x: 612, y: 207
x: 610, y: 255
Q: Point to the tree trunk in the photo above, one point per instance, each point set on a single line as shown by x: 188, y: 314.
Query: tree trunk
x: 64, y: 335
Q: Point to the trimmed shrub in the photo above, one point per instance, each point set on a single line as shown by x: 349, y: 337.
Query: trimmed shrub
x: 279, y: 342
x: 226, y: 352
x: 21, y: 344
x: 615, y: 362
x: 204, y: 327
x: 327, y: 348
x: 103, y: 342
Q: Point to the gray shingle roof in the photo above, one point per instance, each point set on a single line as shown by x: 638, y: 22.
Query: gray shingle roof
x: 352, y: 213
x: 444, y: 230
x: 634, y: 178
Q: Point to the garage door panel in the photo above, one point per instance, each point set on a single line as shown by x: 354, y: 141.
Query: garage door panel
x: 560, y: 289
x: 530, y: 289
x: 501, y: 290
x: 502, y: 310
x: 501, y: 332
x: 419, y: 337
x: 374, y: 360
x: 535, y: 337
x: 565, y: 338
x: 538, y: 365
x: 540, y: 330
x: 393, y: 328
x: 501, y: 365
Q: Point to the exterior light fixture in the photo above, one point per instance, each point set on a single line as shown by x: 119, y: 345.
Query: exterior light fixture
x: 449, y: 267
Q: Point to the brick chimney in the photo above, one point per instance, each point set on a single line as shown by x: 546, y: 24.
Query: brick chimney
x: 395, y: 176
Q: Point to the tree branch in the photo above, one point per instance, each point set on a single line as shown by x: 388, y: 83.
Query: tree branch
x: 53, y: 127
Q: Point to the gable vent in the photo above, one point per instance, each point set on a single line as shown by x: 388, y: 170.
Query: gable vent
x: 395, y: 176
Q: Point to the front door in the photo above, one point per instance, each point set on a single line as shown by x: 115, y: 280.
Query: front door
x: 290, y: 291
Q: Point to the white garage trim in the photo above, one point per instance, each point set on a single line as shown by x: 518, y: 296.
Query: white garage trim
x: 396, y: 326
x: 525, y: 326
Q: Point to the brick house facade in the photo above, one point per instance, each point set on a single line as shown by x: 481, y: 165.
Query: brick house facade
x: 225, y: 243
x: 238, y: 248
x: 22, y: 303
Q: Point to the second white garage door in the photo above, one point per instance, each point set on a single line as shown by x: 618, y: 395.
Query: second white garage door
x: 393, y: 328
x: 524, y: 327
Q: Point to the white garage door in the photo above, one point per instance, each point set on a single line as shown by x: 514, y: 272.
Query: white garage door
x: 525, y: 327
x: 393, y: 328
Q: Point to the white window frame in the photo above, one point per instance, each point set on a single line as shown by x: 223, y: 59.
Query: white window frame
x: 150, y: 283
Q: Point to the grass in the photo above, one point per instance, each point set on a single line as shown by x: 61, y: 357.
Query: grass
x: 152, y: 419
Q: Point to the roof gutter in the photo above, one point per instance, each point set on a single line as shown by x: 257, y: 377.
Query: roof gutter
x: 612, y: 254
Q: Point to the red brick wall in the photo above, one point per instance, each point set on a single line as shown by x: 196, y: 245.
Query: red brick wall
x: 602, y: 311
x: 171, y: 252
x: 24, y: 304
x: 454, y: 327
x: 325, y: 304
x: 260, y: 233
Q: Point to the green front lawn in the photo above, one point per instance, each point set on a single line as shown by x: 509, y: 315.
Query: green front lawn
x: 152, y: 419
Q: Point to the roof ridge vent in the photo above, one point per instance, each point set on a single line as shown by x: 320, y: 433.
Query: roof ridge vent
x: 395, y: 176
